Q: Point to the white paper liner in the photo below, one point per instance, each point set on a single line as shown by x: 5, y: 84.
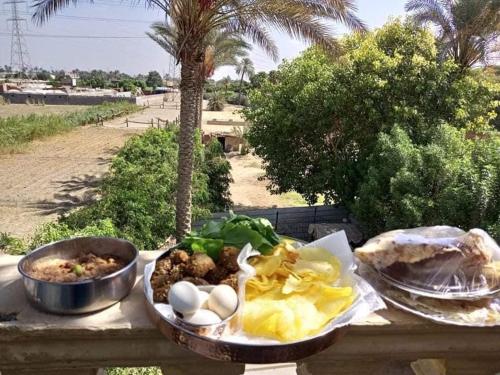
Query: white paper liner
x: 367, y: 300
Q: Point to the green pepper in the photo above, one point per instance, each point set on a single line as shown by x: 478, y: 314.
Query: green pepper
x: 77, y: 270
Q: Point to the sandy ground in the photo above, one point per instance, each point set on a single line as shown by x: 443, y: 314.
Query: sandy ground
x: 24, y: 109
x: 248, y: 192
x: 54, y: 175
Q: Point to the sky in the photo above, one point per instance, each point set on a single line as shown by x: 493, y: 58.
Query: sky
x: 59, y: 44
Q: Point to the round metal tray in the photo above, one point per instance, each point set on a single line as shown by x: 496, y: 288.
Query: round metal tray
x: 219, y: 349
x: 400, y: 298
x: 243, y: 353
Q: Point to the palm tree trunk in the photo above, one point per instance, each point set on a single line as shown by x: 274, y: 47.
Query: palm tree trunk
x: 241, y: 84
x: 200, y: 107
x: 190, y: 86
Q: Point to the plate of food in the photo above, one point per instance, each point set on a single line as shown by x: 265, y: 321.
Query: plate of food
x: 438, y: 262
x: 483, y: 312
x: 237, y: 291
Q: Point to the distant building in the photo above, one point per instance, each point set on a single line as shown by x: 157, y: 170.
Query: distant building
x: 70, y: 79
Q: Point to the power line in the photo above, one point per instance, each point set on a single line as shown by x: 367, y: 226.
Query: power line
x: 83, y: 18
x: 56, y: 36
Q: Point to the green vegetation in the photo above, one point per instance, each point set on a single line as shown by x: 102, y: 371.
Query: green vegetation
x: 235, y: 230
x: 138, y: 196
x: 218, y: 171
x: 382, y: 129
x: 16, y: 131
x: 154, y: 79
x: 11, y: 245
x: 467, y: 30
x: 216, y: 102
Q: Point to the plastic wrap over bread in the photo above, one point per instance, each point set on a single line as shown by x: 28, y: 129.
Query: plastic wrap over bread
x: 438, y: 260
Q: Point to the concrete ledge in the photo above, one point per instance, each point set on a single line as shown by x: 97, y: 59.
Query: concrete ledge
x: 123, y: 336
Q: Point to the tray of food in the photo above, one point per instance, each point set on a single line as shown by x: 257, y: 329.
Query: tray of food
x: 79, y: 275
x: 441, y: 262
x: 441, y: 273
x: 237, y: 291
x: 483, y: 312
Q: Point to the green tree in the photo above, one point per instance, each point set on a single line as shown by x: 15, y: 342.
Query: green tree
x: 244, y: 68
x: 258, y: 79
x: 154, y: 79
x: 222, y: 49
x: 467, y: 29
x: 195, y: 20
x: 447, y: 180
x: 317, y: 124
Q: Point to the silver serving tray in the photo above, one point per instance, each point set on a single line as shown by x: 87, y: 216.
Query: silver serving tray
x: 393, y: 294
x: 225, y: 350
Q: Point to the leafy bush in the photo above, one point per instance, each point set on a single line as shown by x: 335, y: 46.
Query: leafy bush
x: 216, y: 102
x: 18, y: 130
x: 138, y: 196
x: 218, y: 170
x: 318, y: 123
x: 51, y: 232
x: 449, y: 179
x: 11, y: 245
x: 234, y: 99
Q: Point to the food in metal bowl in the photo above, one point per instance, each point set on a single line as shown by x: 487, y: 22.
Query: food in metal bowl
x: 84, y: 283
x: 86, y: 265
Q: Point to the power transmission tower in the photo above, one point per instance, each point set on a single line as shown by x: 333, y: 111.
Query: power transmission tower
x: 19, y: 58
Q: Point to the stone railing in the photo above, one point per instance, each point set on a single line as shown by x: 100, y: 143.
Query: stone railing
x: 32, y: 342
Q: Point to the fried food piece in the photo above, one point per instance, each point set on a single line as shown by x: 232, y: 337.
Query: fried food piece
x: 163, y: 266
x: 228, y: 259
x: 232, y: 281
x: 199, y: 265
x: 216, y: 275
x: 179, y: 256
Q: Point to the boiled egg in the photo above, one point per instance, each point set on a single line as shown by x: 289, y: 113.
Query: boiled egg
x: 202, y: 317
x: 223, y: 300
x: 184, y: 297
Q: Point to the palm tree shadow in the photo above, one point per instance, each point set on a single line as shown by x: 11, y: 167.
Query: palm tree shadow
x: 72, y: 193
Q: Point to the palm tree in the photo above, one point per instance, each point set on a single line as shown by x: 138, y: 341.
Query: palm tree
x: 467, y: 29
x: 244, y: 68
x: 195, y: 19
x: 222, y: 49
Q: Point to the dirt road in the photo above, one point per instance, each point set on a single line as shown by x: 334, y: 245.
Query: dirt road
x: 54, y: 175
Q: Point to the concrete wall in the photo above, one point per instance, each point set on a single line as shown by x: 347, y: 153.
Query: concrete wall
x: 62, y: 99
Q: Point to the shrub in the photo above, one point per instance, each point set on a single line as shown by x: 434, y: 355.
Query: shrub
x: 138, y: 196
x: 11, y: 245
x: 218, y: 170
x: 216, y: 102
x: 234, y: 99
x: 448, y: 180
x: 51, y: 232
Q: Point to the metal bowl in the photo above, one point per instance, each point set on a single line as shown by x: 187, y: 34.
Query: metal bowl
x: 85, y: 296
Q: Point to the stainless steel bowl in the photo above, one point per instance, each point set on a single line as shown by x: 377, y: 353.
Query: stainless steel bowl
x: 82, y: 296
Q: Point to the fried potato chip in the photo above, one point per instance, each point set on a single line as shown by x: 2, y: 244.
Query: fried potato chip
x: 291, y: 295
